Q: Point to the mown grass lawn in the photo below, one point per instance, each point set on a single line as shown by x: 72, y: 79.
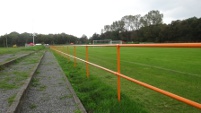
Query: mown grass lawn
x: 177, y: 70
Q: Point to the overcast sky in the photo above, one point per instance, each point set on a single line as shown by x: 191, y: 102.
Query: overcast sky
x: 78, y: 17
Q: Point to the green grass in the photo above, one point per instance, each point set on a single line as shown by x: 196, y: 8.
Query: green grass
x: 19, y: 76
x: 173, y: 69
x: 77, y: 111
x: 65, y: 96
x: 32, y: 106
x: 42, y: 88
x: 11, y: 82
x: 34, y: 48
x: 11, y: 99
x: 9, y: 50
x: 14, y: 50
x: 13, y: 78
x: 31, y: 61
x: 97, y: 96
x: 6, y: 85
x: 35, y: 82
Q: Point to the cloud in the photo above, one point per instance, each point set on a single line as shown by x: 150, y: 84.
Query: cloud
x: 78, y: 17
x: 180, y: 9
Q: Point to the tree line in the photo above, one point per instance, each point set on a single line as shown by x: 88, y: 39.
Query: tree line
x: 131, y: 28
x: 15, y: 38
x: 150, y: 28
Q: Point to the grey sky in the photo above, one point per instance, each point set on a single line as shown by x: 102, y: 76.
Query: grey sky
x: 78, y: 17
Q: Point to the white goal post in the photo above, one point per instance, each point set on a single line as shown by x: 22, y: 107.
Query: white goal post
x: 116, y: 42
x: 107, y: 41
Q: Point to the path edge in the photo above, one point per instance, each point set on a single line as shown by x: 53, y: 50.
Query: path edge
x: 76, y: 99
x: 8, y: 63
x: 15, y: 106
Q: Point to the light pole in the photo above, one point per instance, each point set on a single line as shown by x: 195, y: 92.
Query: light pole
x: 6, y: 41
x: 33, y: 38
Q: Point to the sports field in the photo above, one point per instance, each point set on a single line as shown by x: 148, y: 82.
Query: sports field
x: 177, y: 70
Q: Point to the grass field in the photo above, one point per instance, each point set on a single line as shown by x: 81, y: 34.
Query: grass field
x: 96, y: 96
x: 177, y: 70
x: 12, y: 50
x: 9, y: 50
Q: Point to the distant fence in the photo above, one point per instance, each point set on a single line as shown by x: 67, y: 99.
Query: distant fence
x: 118, y: 73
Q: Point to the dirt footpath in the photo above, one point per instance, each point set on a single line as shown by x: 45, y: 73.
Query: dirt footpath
x: 50, y: 91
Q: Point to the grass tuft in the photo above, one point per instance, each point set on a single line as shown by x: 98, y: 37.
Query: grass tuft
x: 32, y: 106
x: 11, y: 99
x: 65, y: 96
x: 20, y: 75
x: 35, y: 82
x: 42, y: 88
x: 5, y: 85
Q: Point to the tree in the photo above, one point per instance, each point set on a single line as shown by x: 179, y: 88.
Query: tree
x: 107, y: 28
x: 155, y: 17
x: 3, y: 41
x: 131, y: 22
x: 136, y: 22
x: 152, y: 18
x: 14, y: 38
x: 144, y: 21
x: 83, y: 39
x: 95, y: 37
x: 25, y: 38
x: 128, y: 22
x: 117, y: 26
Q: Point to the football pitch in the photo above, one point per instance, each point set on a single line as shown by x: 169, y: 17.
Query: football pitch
x: 177, y: 70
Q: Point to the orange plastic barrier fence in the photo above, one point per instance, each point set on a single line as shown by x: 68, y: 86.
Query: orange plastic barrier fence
x: 119, y: 75
x: 173, y: 45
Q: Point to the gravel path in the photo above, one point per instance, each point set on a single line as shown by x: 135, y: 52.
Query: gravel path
x: 6, y: 57
x: 49, y: 91
x: 13, y: 77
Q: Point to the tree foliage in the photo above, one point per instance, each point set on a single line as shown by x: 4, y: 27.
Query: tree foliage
x: 131, y: 28
x: 131, y: 22
x: 24, y: 38
x: 150, y: 28
x: 152, y: 18
x: 83, y: 40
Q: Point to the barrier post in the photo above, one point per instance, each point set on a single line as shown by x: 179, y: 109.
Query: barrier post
x: 87, y: 59
x: 118, y: 71
x: 74, y: 56
x: 68, y: 54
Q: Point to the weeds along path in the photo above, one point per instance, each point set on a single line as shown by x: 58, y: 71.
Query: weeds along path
x: 13, y: 77
x: 7, y: 57
x: 50, y: 91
